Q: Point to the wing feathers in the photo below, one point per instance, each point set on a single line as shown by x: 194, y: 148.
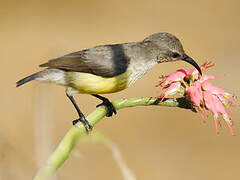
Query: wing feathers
x: 106, y: 61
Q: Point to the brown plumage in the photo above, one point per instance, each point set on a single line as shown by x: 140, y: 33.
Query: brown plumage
x: 105, y: 61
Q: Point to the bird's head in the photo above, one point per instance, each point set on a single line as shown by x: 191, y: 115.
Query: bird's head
x: 169, y: 48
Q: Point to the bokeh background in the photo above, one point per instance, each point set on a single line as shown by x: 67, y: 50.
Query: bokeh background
x: 156, y: 142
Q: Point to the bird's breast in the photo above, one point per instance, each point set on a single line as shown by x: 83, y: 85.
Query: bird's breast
x: 93, y: 84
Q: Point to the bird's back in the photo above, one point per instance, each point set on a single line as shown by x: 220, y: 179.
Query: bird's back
x: 99, y: 70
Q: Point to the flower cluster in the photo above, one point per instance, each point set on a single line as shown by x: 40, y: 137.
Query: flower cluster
x: 203, y: 95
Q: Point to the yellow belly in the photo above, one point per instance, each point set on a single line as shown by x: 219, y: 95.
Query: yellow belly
x: 92, y: 84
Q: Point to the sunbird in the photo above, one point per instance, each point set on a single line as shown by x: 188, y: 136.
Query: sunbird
x: 109, y: 68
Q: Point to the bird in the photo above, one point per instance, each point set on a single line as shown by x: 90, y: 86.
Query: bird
x: 109, y: 68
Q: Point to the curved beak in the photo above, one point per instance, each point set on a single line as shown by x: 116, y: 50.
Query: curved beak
x: 192, y: 62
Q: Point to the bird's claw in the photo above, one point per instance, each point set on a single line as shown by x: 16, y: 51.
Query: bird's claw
x: 85, y: 123
x: 110, y: 108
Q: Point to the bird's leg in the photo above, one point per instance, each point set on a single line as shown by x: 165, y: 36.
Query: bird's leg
x: 82, y: 118
x: 110, y: 108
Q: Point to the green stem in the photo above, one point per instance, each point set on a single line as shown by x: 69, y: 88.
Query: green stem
x: 68, y: 142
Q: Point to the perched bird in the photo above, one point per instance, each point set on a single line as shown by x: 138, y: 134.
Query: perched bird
x: 109, y: 68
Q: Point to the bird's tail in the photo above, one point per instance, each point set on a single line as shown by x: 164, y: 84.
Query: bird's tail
x: 27, y: 79
x: 47, y: 75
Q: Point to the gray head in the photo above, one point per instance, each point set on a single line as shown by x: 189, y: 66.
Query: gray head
x: 169, y: 48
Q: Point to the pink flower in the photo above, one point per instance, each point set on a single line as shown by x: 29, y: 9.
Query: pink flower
x: 203, y: 95
x: 171, y: 89
x: 173, y: 77
x: 195, y: 93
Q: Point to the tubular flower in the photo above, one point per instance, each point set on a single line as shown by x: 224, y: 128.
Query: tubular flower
x: 204, y: 96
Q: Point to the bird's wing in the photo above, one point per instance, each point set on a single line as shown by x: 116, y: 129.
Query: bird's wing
x: 106, y: 61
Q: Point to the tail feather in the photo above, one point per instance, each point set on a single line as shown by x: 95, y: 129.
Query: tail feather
x: 27, y: 79
x: 47, y: 75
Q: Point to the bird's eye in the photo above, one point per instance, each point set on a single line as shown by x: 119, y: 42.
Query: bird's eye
x: 175, y: 55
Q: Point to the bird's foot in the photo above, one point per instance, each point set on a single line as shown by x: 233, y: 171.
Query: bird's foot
x: 85, y: 123
x: 110, y: 108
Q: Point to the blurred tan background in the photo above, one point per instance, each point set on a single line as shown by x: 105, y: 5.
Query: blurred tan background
x: 156, y: 142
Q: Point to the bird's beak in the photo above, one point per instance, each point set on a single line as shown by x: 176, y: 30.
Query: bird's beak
x: 192, y: 62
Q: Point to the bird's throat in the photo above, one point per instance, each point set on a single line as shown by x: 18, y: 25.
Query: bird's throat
x: 137, y: 70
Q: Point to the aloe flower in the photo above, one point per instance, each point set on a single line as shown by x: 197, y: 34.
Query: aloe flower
x: 204, y: 96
